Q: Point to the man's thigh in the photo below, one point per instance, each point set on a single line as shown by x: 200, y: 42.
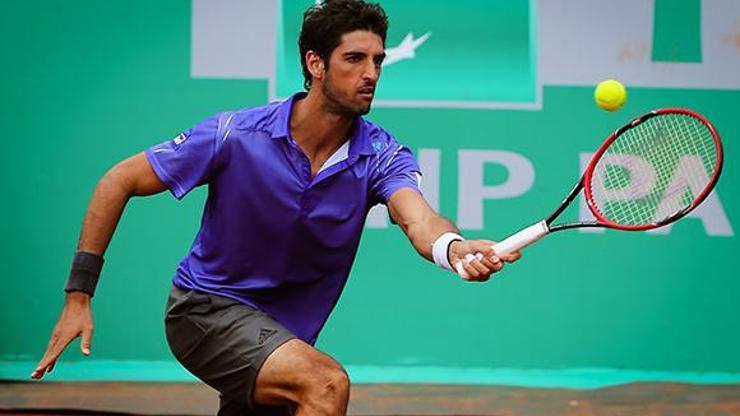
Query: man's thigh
x: 221, y: 341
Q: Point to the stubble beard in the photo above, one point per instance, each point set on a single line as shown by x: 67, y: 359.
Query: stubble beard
x: 340, y: 105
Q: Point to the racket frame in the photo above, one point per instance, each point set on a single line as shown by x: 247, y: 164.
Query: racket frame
x: 563, y: 205
x: 602, y: 221
x: 530, y: 234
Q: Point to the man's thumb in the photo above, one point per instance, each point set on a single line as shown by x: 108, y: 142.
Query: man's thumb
x: 86, y: 342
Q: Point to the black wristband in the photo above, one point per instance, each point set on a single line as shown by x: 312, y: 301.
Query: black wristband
x: 85, y: 273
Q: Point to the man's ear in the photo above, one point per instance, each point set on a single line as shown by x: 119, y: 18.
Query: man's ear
x: 315, y: 65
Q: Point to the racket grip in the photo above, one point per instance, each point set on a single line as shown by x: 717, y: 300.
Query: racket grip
x: 522, y: 239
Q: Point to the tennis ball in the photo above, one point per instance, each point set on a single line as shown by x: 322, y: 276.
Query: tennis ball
x: 610, y: 95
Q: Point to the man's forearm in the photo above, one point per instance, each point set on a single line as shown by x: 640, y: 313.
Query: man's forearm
x: 421, y: 224
x: 424, y: 233
x: 103, y: 214
x: 131, y: 177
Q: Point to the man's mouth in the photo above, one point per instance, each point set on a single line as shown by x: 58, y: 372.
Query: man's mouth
x: 367, y: 92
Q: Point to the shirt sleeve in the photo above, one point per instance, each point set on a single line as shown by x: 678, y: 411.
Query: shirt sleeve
x: 396, y: 168
x: 188, y: 160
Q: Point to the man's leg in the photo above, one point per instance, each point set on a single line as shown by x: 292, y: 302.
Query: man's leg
x: 300, y: 375
x: 224, y: 343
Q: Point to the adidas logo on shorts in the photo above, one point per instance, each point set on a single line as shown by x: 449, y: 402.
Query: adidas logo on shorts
x: 265, y: 333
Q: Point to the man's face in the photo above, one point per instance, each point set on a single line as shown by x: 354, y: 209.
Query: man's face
x: 353, y: 72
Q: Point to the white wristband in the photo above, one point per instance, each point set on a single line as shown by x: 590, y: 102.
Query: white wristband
x: 441, y: 247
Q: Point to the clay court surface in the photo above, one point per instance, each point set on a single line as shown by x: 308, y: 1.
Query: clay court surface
x: 382, y: 399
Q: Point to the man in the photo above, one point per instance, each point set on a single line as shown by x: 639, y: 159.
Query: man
x: 290, y: 185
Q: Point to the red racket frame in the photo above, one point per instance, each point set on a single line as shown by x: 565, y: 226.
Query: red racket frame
x: 601, y: 220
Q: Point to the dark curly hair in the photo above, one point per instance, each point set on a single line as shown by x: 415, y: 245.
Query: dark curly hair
x: 325, y: 23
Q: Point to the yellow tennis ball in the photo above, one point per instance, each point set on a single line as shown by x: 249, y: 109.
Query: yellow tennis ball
x: 610, y: 95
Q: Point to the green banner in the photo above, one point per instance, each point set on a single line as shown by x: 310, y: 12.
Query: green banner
x: 87, y: 84
x: 485, y: 53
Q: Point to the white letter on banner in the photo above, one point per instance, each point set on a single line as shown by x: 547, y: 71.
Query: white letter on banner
x: 377, y: 217
x: 637, y: 167
x: 471, y: 190
x: 429, y: 162
x: 710, y: 212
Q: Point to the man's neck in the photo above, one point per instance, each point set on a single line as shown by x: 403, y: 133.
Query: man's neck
x: 318, y: 131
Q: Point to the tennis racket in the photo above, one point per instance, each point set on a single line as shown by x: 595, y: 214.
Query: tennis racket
x: 648, y: 173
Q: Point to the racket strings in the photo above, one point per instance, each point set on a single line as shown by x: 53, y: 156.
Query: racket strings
x: 654, y: 170
x: 670, y: 165
x: 664, y: 158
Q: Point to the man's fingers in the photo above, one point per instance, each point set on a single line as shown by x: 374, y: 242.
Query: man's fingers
x: 484, y: 246
x: 474, y: 269
x: 477, y: 268
x: 61, y: 345
x: 481, y: 261
x: 47, y: 363
x: 485, y: 249
x: 511, y: 257
x: 86, y: 341
x: 475, y: 263
x: 494, y: 263
x: 47, y: 359
x: 50, y: 346
x: 475, y: 275
x: 461, y: 270
x: 470, y: 270
x: 57, y: 345
x: 41, y: 368
x: 52, y: 365
x: 465, y: 271
x: 37, y: 373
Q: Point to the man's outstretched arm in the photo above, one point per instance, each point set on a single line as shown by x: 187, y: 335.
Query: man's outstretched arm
x: 424, y: 228
x: 131, y: 177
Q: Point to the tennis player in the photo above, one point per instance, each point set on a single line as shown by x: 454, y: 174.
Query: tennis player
x: 289, y: 188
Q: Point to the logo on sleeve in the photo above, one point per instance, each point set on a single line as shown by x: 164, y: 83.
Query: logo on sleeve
x: 180, y: 139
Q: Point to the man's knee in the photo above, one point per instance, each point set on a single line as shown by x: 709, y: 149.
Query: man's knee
x: 297, y: 373
x: 327, y: 392
x: 334, y: 383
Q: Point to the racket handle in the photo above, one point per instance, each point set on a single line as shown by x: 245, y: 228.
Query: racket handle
x: 514, y: 242
x: 522, y: 239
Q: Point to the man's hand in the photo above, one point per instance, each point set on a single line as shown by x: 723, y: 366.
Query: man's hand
x: 76, y: 320
x: 478, y: 268
x: 423, y: 226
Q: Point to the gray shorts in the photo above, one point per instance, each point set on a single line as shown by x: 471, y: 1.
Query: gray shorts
x: 224, y: 343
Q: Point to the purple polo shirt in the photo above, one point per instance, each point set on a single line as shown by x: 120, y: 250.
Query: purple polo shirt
x: 272, y: 236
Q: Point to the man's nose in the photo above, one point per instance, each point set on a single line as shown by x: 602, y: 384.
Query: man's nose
x: 372, y: 72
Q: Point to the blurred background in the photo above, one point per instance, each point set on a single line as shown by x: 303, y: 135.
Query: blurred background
x: 494, y: 97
